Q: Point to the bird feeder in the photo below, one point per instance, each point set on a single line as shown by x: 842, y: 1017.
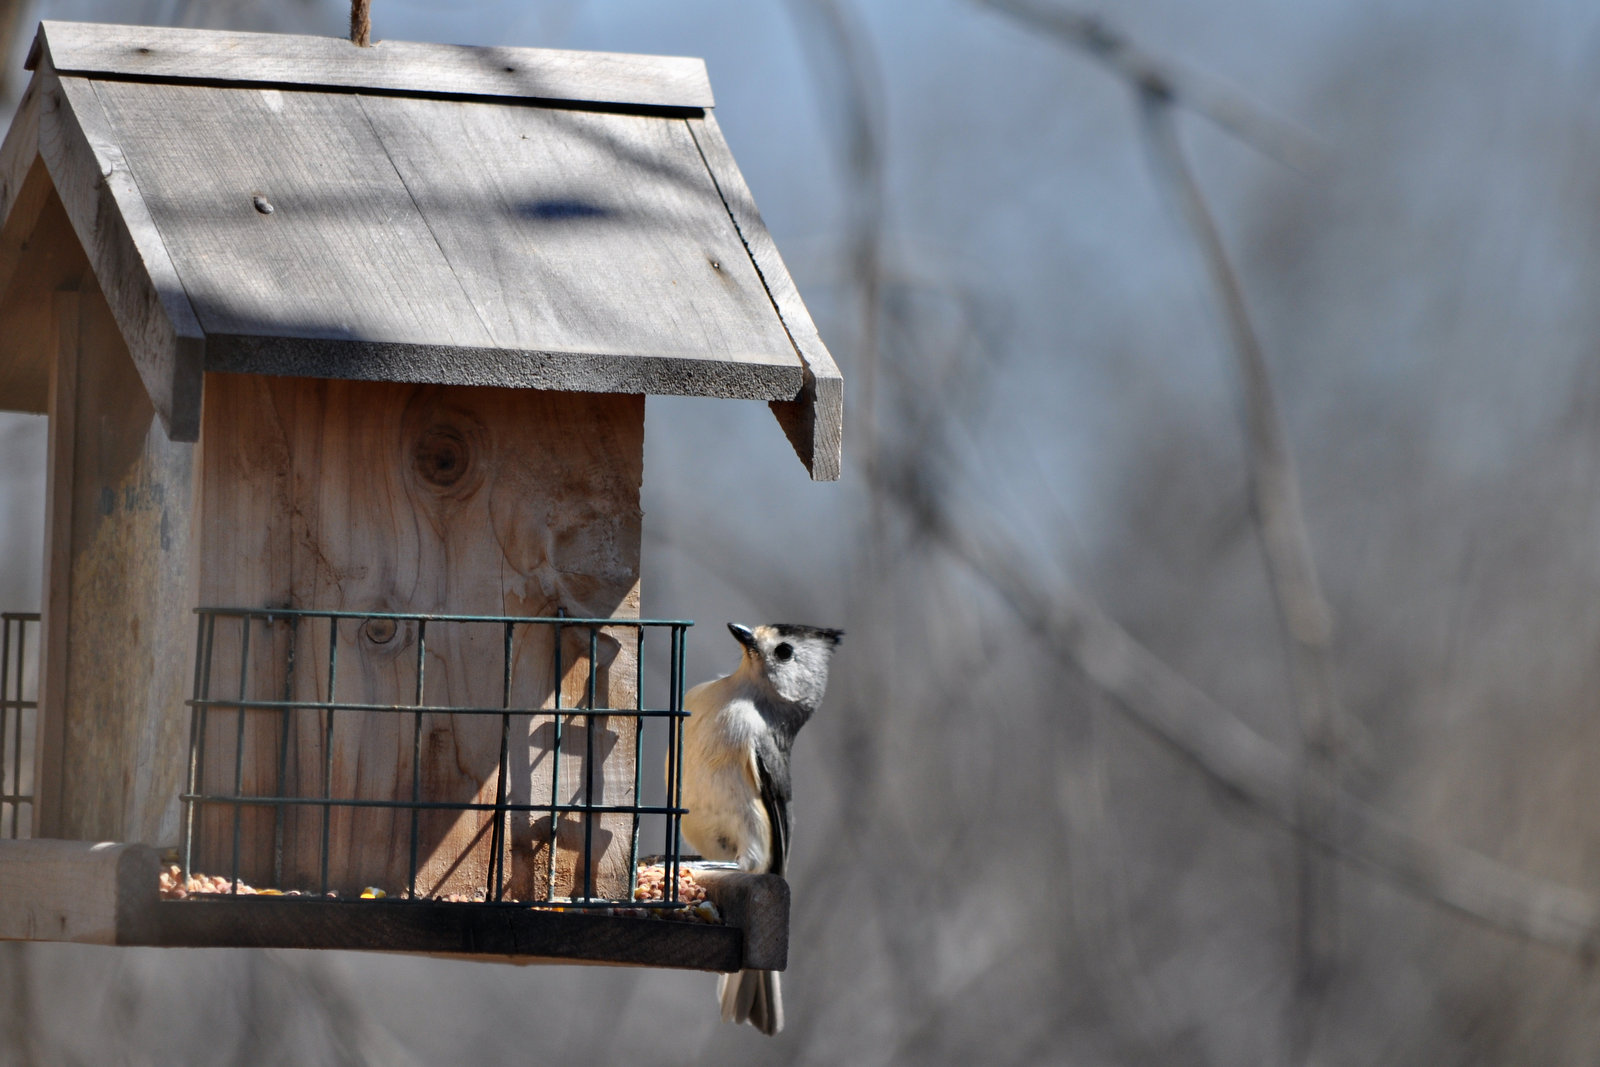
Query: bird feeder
x: 344, y: 352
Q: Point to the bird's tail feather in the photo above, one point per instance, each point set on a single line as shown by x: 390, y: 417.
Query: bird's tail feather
x: 752, y: 997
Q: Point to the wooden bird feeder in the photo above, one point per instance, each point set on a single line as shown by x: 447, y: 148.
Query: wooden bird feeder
x: 344, y: 352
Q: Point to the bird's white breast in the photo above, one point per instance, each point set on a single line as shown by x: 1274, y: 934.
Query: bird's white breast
x: 721, y: 789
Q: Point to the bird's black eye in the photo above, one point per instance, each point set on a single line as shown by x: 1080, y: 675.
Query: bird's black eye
x: 783, y: 651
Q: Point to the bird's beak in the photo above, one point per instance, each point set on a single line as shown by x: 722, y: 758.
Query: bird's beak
x: 744, y: 635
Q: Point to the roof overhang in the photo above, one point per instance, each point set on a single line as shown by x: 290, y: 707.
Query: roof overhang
x: 530, y: 218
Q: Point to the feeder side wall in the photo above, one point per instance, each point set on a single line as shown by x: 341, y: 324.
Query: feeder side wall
x: 334, y: 494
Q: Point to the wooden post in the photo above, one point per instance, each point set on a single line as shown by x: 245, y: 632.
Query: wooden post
x: 55, y: 603
x: 117, y: 591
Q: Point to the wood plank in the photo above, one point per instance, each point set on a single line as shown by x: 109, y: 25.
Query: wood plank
x: 552, y: 249
x: 814, y: 421
x: 25, y: 343
x: 29, y: 201
x: 585, y: 232
x: 49, y: 768
x: 343, y: 255
x: 758, y: 904
x: 48, y: 259
x: 283, y: 59
x: 514, y: 935
x: 380, y: 496
x: 105, y: 893
x: 102, y: 894
x: 21, y: 198
x: 121, y: 669
x: 577, y: 372
x: 626, y: 274
x: 116, y: 231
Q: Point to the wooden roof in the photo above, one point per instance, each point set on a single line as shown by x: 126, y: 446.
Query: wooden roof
x: 532, y: 218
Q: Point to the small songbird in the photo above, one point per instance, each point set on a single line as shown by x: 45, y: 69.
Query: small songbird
x: 736, y: 773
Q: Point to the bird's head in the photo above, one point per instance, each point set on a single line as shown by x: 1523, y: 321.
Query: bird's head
x: 793, y: 659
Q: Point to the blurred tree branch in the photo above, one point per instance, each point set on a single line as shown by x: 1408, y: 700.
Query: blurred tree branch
x: 1149, y: 73
x: 845, y: 71
x: 1290, y: 790
x: 1245, y: 764
x: 846, y: 75
x: 1302, y: 611
x: 1151, y: 693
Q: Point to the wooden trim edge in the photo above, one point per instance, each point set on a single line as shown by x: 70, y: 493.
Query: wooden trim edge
x: 107, y: 893
x: 579, y: 372
x: 547, y: 75
x: 99, y: 893
x: 813, y: 420
x: 20, y: 197
x: 474, y: 931
x: 758, y: 904
x: 127, y: 253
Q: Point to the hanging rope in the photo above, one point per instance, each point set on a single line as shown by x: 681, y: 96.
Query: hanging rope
x: 361, y: 22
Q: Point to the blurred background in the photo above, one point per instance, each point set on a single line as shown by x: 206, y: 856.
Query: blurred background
x: 1145, y: 745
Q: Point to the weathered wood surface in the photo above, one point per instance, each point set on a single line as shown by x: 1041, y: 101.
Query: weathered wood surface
x: 168, y: 54
x: 357, y: 360
x: 102, y: 894
x: 56, y: 596
x: 399, y: 238
x: 125, y: 248
x: 588, y: 232
x: 514, y: 935
x: 119, y: 587
x: 107, y: 894
x: 448, y: 500
x: 21, y: 196
x: 47, y: 258
x: 24, y: 190
x: 467, y: 243
x: 757, y: 904
x: 813, y: 421
x: 344, y: 255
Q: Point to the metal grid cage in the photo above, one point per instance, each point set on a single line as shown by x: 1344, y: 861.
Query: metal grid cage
x: 18, y: 720
x: 275, y: 709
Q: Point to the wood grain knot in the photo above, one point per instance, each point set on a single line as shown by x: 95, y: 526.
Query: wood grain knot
x: 442, y: 456
x: 379, y: 631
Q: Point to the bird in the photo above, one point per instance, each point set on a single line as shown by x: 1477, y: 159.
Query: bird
x: 736, y: 786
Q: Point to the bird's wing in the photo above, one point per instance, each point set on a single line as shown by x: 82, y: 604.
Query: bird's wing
x: 773, y: 778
